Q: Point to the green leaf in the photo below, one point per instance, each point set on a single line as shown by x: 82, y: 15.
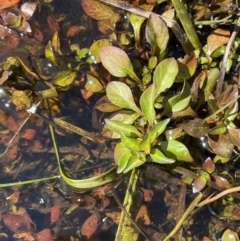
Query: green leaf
x: 145, y: 144
x: 158, y: 157
x: 176, y: 150
x: 147, y: 100
x: 95, y: 48
x: 119, y: 127
x: 158, y: 129
x: 130, y: 143
x: 178, y: 102
x: 93, y: 84
x: 116, y: 61
x: 64, y: 78
x: 198, y: 184
x: 133, y: 162
x: 50, y: 54
x: 218, y: 129
x: 121, y: 156
x: 230, y: 235
x: 48, y: 93
x: 121, y: 95
x: 164, y: 75
x: 157, y: 34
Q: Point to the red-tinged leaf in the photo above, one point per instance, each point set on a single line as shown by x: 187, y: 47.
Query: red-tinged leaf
x: 55, y: 213
x: 209, y: 165
x: 38, y: 35
x: 12, y: 124
x: 90, y: 225
x: 14, y: 197
x: 11, y: 153
x: 143, y: 216
x: 198, y: 184
x: 222, y: 182
x: 28, y: 9
x: 29, y: 134
x: 13, y: 40
x: 73, y: 30
x: 147, y: 194
x: 7, y: 3
x: 44, y: 235
x: 104, y: 203
x: 53, y: 24
x: 18, y: 222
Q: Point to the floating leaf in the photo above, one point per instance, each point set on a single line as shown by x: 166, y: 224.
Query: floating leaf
x: 176, y: 150
x: 119, y: 127
x: 196, y: 128
x: 216, y: 39
x: 121, y: 156
x: 121, y: 95
x: 157, y: 34
x: 64, y: 78
x: 95, y: 48
x: 97, y: 10
x: 164, y: 75
x: 93, y: 84
x: 116, y: 61
x: 158, y: 129
x: 178, y: 102
x: 147, y: 100
x: 158, y: 157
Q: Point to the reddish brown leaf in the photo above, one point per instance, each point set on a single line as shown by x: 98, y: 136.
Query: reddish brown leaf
x: 198, y: 184
x: 209, y: 165
x: 222, y: 182
x: 90, y: 225
x: 12, y: 124
x: 147, y: 194
x: 53, y: 24
x: 143, y: 216
x: 14, y: 197
x: 28, y: 9
x: 72, y: 31
x: 44, y: 235
x: 11, y: 153
x: 7, y: 3
x: 29, y: 134
x: 55, y: 213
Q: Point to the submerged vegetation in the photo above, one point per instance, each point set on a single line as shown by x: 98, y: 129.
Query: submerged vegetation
x: 154, y: 88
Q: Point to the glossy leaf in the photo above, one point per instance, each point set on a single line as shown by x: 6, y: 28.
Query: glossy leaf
x: 157, y: 34
x: 121, y: 95
x: 93, y: 84
x: 104, y: 105
x: 121, y: 156
x: 131, y: 143
x: 219, y: 129
x: 199, y: 183
x: 64, y: 78
x: 147, y: 100
x: 48, y: 93
x: 196, y: 128
x: 95, y: 48
x: 208, y: 165
x: 178, y: 102
x: 117, y: 62
x: 119, y: 127
x: 158, y: 129
x: 230, y: 235
x: 233, y: 136
x: 158, y: 157
x: 164, y: 75
x: 50, y: 54
x: 176, y: 150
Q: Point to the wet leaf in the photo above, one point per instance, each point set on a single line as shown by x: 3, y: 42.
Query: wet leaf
x: 174, y: 133
x: 196, y: 128
x: 12, y: 125
x: 220, y: 145
x: 64, y: 78
x: 230, y: 235
x: 158, y: 129
x: 157, y: 34
x: 44, y: 235
x: 55, y: 213
x: 216, y: 39
x: 53, y: 24
x: 164, y: 75
x: 121, y: 156
x: 131, y: 143
x: 28, y: 9
x: 90, y: 225
x: 176, y: 150
x: 95, y: 48
x: 219, y: 129
x: 28, y: 134
x: 147, y: 100
x: 27, y: 236
x: 50, y: 54
x: 93, y: 84
x: 117, y: 62
x: 198, y: 184
x: 121, y: 95
x: 178, y: 102
x: 143, y: 216
x: 208, y: 165
x: 97, y: 10
x: 147, y: 194
x: 49, y: 93
x: 119, y: 127
x: 222, y: 182
x: 104, y: 105
x: 7, y: 3
x: 21, y: 100
x: 158, y: 157
x: 233, y: 136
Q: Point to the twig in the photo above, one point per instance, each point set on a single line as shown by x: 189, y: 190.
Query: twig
x: 221, y: 194
x: 222, y: 72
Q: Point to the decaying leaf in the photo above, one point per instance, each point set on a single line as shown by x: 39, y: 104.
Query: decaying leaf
x: 90, y: 225
x: 7, y: 3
